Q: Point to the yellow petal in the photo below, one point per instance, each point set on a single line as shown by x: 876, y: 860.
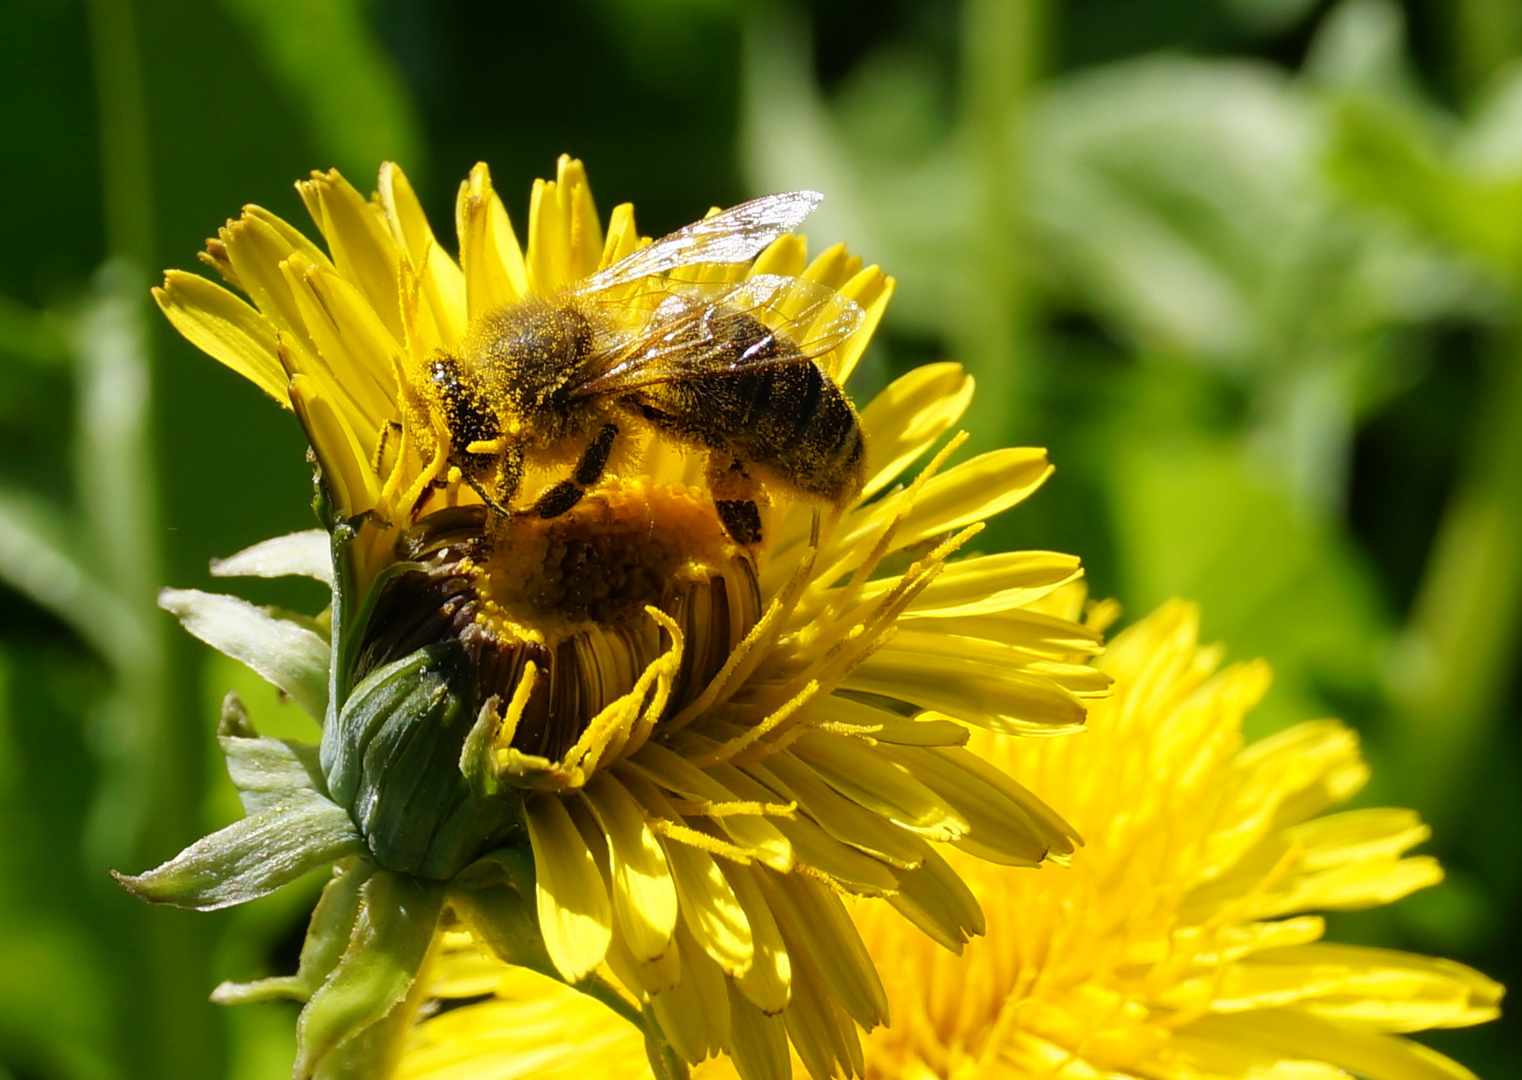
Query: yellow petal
x: 564, y: 237
x: 840, y: 817
x: 767, y: 982
x: 908, y: 416
x: 360, y: 240
x: 1285, y: 1034
x: 968, y: 493
x: 225, y: 328
x: 343, y: 461
x: 710, y: 910
x: 644, y: 894
x: 817, y: 916
x: 443, y: 285
x: 495, y: 273
x: 758, y: 1042
x: 861, y: 774
x: 623, y: 238
x: 356, y: 347
x: 574, y: 914
x: 989, y: 583
x: 871, y: 289
x: 1009, y: 702
x: 694, y: 1014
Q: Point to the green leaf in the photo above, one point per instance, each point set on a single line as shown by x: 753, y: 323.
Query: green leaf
x: 495, y: 898
x: 37, y: 561
x: 1199, y: 519
x: 252, y: 857
x: 286, y: 653
x: 395, y: 927
x: 32, y: 335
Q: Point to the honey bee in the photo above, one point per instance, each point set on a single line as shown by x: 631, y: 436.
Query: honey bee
x: 726, y: 369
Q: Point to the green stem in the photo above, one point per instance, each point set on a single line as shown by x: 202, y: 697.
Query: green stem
x: 117, y: 498
x: 1457, y: 656
x: 150, y: 793
x: 1487, y: 34
x: 1001, y: 46
x: 664, y: 1061
x: 123, y: 118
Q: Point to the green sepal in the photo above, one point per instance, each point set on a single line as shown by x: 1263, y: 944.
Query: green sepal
x: 233, y: 719
x: 328, y: 935
x: 395, y: 926
x: 340, y: 537
x: 495, y: 897
x: 476, y: 760
x: 393, y: 757
x: 287, y: 651
x: 268, y: 771
x: 252, y: 857
x: 349, y: 613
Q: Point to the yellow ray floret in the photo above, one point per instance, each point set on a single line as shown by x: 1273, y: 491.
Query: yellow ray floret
x: 1178, y: 944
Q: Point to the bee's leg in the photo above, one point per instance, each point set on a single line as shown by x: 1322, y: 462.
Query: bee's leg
x: 509, y: 478
x: 734, y: 497
x: 509, y: 469
x: 566, y: 494
x: 388, y: 429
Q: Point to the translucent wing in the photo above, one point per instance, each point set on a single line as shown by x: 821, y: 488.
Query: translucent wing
x: 722, y: 328
x: 735, y: 235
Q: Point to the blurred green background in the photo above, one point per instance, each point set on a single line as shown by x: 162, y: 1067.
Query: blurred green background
x: 1252, y: 269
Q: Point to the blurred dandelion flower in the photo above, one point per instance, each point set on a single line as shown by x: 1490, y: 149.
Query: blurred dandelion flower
x: 1176, y: 945
x: 629, y: 737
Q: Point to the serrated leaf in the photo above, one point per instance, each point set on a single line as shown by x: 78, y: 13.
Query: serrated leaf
x: 328, y: 935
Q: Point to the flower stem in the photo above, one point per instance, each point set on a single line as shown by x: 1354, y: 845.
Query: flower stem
x: 149, y: 792
x: 664, y: 1062
x: 1486, y: 34
x: 1456, y: 659
x: 1001, y: 44
x: 123, y: 118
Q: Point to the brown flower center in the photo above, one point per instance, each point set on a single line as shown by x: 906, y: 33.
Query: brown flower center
x: 569, y: 594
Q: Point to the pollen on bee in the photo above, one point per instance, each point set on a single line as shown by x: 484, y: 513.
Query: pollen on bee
x: 619, y: 549
x: 571, y: 599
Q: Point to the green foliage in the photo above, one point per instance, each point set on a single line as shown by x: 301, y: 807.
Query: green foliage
x: 1258, y: 292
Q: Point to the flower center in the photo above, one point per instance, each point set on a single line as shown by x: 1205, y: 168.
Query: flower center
x: 569, y: 595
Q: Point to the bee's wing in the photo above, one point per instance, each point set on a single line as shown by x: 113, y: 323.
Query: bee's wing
x: 731, y: 236
x: 692, y: 332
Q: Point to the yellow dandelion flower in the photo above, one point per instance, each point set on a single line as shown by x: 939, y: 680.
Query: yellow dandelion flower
x: 1178, y: 944
x: 645, y: 647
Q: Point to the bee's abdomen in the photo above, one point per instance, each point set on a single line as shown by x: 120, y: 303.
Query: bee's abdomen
x: 790, y: 418
x: 801, y: 426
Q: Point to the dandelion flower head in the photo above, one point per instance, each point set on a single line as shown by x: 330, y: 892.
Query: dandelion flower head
x: 1179, y: 944
x: 704, y: 735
